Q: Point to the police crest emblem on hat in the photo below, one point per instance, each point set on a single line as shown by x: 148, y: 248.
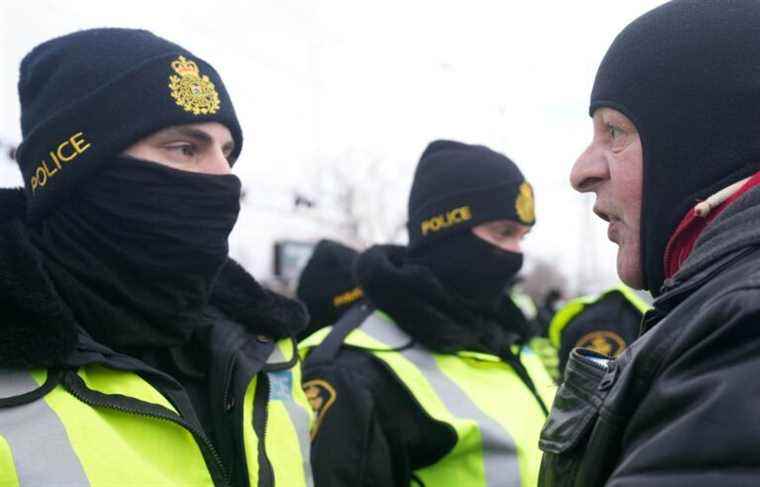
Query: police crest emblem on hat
x: 524, y: 203
x: 190, y: 90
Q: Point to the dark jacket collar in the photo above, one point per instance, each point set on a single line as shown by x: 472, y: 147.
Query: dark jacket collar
x: 38, y: 329
x: 423, y: 308
x: 734, y: 234
x: 242, y: 299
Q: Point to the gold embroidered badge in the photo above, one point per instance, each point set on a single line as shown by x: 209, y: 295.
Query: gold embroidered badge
x: 321, y: 396
x: 524, y: 204
x: 604, y: 341
x: 190, y: 90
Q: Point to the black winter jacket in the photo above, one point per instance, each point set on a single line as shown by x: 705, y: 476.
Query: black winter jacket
x: 680, y: 406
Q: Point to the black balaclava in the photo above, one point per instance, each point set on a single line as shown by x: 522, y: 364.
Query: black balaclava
x: 457, y: 187
x: 473, y: 268
x: 688, y: 75
x: 136, y: 253
x: 327, y: 286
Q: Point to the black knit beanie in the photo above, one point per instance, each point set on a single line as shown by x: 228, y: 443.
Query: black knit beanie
x: 327, y: 286
x: 688, y: 75
x: 458, y: 186
x: 91, y: 94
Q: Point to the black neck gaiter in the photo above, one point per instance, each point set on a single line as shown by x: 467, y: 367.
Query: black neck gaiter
x: 473, y: 268
x: 135, y: 253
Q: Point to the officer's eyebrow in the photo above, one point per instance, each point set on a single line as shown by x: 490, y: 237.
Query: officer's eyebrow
x: 199, y: 136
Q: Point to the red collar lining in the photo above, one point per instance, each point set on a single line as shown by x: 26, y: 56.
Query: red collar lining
x: 691, y: 227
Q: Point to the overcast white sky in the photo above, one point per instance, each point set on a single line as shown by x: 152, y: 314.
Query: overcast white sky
x: 320, y: 82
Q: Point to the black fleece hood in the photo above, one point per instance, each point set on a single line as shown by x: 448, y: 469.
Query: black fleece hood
x: 688, y: 75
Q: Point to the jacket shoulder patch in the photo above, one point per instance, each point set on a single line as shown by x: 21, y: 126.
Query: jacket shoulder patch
x: 321, y: 395
x: 606, y: 342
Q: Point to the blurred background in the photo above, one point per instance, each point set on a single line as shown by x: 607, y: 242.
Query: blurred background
x: 339, y: 98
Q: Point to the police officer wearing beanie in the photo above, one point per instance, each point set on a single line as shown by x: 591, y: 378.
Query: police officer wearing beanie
x: 674, y: 165
x: 426, y: 384
x: 327, y: 286
x: 134, y: 351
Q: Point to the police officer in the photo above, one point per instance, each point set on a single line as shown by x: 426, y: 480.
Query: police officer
x: 426, y: 384
x: 674, y: 165
x: 327, y: 286
x: 606, y: 323
x: 134, y: 351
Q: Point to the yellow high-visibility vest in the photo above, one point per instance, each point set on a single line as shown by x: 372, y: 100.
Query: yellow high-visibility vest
x: 495, y: 416
x: 62, y: 439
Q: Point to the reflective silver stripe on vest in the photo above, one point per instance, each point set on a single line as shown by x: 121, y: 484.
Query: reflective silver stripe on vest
x: 37, y: 439
x: 501, y: 466
x: 300, y: 420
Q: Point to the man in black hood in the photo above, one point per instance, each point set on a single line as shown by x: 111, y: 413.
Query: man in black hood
x: 134, y: 351
x: 674, y: 165
x: 428, y: 381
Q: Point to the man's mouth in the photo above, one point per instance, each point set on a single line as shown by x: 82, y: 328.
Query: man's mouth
x: 602, y: 214
x: 613, y: 229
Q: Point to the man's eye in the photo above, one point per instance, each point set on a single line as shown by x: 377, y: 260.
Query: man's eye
x: 614, y: 132
x: 187, y: 150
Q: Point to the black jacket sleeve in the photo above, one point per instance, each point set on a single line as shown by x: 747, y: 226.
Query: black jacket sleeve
x: 698, y: 425
x: 349, y: 445
x: 372, y: 434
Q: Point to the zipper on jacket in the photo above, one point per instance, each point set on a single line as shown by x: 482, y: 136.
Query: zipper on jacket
x: 609, y: 377
x: 590, y: 362
x: 260, y: 417
x: 76, y: 387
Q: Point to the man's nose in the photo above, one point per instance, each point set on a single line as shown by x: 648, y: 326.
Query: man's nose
x: 217, y: 163
x: 589, y: 170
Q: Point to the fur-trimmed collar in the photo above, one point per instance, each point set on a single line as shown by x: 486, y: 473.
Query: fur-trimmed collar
x: 423, y: 308
x: 39, y: 330
x: 243, y: 299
